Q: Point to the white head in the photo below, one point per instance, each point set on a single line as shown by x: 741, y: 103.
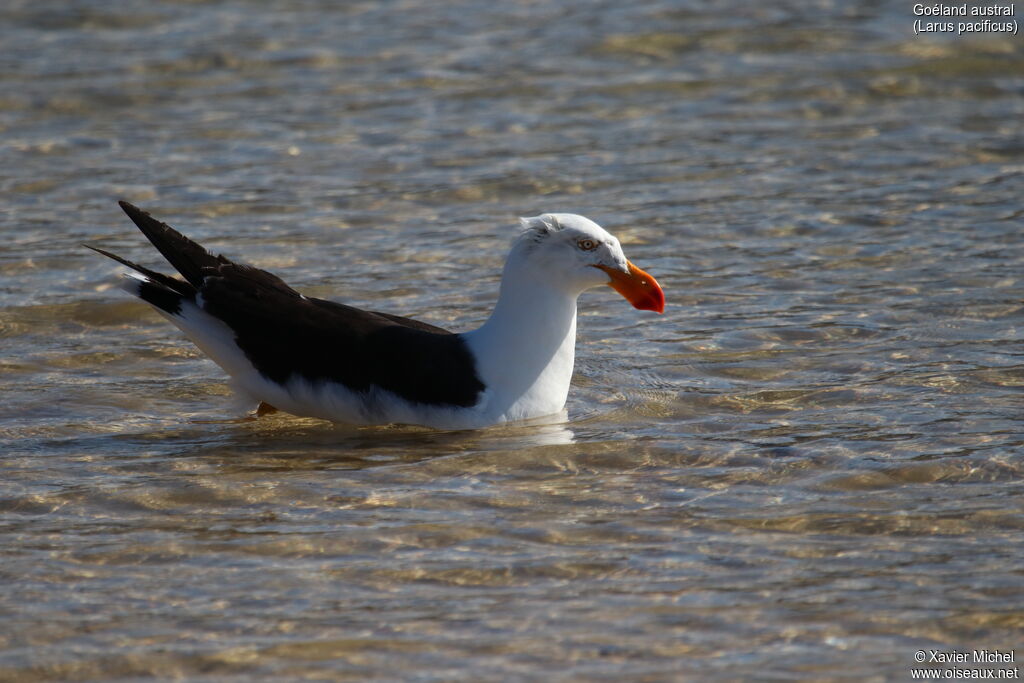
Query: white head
x: 575, y: 253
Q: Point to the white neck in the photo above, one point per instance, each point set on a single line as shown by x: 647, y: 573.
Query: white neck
x: 525, y: 350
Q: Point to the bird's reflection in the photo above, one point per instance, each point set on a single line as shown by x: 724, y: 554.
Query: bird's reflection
x: 282, y: 441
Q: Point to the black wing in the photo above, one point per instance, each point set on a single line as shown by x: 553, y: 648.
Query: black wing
x: 285, y: 334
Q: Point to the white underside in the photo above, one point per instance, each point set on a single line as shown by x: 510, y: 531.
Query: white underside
x: 322, y: 399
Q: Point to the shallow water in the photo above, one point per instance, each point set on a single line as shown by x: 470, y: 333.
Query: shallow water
x: 809, y: 467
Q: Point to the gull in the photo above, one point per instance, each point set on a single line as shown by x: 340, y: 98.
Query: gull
x: 317, y: 358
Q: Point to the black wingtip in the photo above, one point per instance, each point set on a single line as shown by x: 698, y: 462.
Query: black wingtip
x: 104, y: 252
x: 187, y: 257
x: 181, y: 288
x: 131, y: 209
x: 124, y: 262
x: 141, y: 218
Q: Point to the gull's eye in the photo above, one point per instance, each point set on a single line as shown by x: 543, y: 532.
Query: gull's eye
x: 587, y: 245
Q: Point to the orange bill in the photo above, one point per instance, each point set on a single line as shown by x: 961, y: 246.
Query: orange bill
x: 638, y: 288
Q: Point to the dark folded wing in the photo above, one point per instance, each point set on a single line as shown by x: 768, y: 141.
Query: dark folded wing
x: 285, y: 334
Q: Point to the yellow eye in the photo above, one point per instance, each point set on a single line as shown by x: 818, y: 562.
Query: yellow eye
x: 587, y: 245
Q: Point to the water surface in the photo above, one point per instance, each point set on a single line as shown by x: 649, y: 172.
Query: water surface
x: 809, y: 467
